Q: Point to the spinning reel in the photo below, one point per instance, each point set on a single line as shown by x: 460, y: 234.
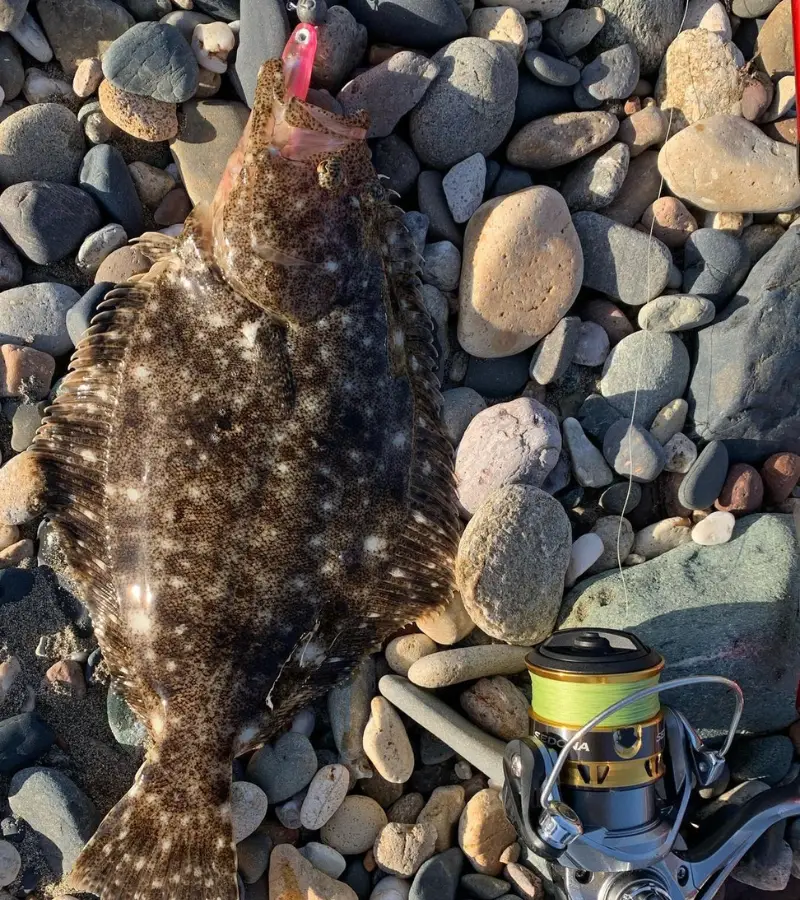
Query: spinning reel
x: 599, y: 791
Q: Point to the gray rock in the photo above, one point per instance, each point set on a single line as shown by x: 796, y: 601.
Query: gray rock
x: 284, y: 768
x: 764, y: 759
x: 511, y: 563
x: 417, y: 224
x: 26, y: 419
x: 554, y: 354
x: 340, y: 46
x: 617, y: 257
x: 252, y: 856
x: 746, y: 379
x: 768, y: 865
x: 441, y: 265
x: 23, y: 739
x: 753, y: 9
x: 597, y: 415
x: 105, y: 176
x: 654, y: 365
x: 703, y: 483
x: 393, y: 157
x: 497, y: 379
x: 760, y: 239
x: 551, y: 70
x: 227, y: 10
x: 43, y: 142
x: 575, y: 29
x: 632, y: 451
x: 389, y: 90
x: 469, y: 107
x: 437, y: 879
x: 588, y: 465
x: 459, y: 408
x: 47, y: 221
x: 464, y: 186
x: 433, y: 203
x: 509, y: 180
x: 621, y: 498
x: 640, y: 188
x: 12, y: 75
x: 536, y: 99
x: 411, y: 23
x: 10, y: 266
x: 11, y: 13
x: 36, y: 314
x: 676, y: 312
x: 81, y: 313
x: 596, y: 180
x: 122, y: 721
x: 29, y: 36
x: 484, y: 887
x: 264, y: 30
x: 432, y: 751
x: 510, y: 443
x: 349, y: 711
x: 715, y: 263
x: 611, y: 76
x: 632, y: 21
x: 593, y: 345
x: 729, y: 609
x: 153, y: 60
x: 61, y: 816
x: 616, y: 533
x: 98, y: 245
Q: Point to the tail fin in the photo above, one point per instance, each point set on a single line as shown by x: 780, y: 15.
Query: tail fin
x: 169, y: 838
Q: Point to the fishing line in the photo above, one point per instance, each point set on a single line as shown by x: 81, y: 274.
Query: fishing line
x: 639, y: 368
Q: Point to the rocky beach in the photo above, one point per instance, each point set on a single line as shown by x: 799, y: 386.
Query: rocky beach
x: 605, y: 201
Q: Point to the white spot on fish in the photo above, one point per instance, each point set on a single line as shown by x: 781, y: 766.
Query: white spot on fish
x: 89, y: 455
x: 331, y: 266
x: 249, y: 332
x: 400, y: 439
x: 180, y: 629
x: 139, y: 621
x: 398, y: 337
x: 375, y: 544
x: 141, y: 373
x: 171, y: 665
x: 133, y: 494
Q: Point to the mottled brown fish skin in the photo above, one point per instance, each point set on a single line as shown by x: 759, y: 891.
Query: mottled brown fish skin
x: 248, y: 474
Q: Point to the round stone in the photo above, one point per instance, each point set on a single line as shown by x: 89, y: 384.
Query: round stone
x: 522, y: 270
x: 153, y: 60
x: 555, y: 353
x: 774, y: 44
x: 676, y: 312
x: 743, y: 491
x: 284, y: 768
x: 593, y: 345
x: 780, y: 474
x: 575, y: 29
x: 143, y: 117
x: 631, y: 451
x: 354, y: 827
x: 715, y: 265
x: 402, y: 652
x: 325, y: 795
x: 459, y: 408
x: 469, y: 107
x: 497, y: 706
x: 703, y: 484
x: 401, y: 849
x: 98, y: 245
x: 326, y: 859
x: 484, y: 832
x: 510, y: 443
x: 120, y: 265
x: 104, y: 176
x: 643, y: 129
x: 662, y: 375
x: 248, y: 808
x: 727, y: 164
x: 597, y: 179
x: 441, y: 265
x: 616, y: 533
x: 10, y: 863
x: 35, y: 314
x: 449, y: 625
x: 550, y: 69
x: 340, y: 45
x: 386, y: 743
x: 511, y: 564
x: 43, y: 142
x: 653, y: 540
x: 608, y: 316
x: 411, y: 23
x: 553, y: 141
x: 12, y: 75
x: 669, y: 221
x: 611, y: 76
x: 621, y: 498
x: 680, y: 452
x: 587, y: 461
x: 716, y: 528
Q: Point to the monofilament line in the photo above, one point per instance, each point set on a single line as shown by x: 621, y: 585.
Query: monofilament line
x: 639, y: 374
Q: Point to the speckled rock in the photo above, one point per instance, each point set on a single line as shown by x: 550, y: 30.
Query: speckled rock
x: 727, y: 164
x: 35, y: 314
x: 503, y: 25
x: 574, y: 29
x: 401, y: 849
x: 522, y: 270
x: 593, y: 345
x: 283, y: 768
x: 325, y: 795
x: 340, y: 45
x: 121, y: 264
x: 469, y: 107
x: 484, y: 832
x: 354, y: 827
x: 442, y: 812
x: 402, y: 652
x: 511, y: 562
x: 143, y: 117
x: 496, y: 706
x: 553, y: 141
x: 386, y: 743
x: 43, y: 142
x: 597, y: 179
x: 248, y: 808
x: 670, y: 220
x: 780, y: 474
x: 616, y: 533
x: 554, y: 354
x: 676, y: 312
x: 631, y: 451
x: 611, y: 76
x: 680, y: 452
x: 715, y: 265
x: 510, y: 443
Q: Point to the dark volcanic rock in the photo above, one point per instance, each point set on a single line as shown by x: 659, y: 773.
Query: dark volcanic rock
x: 411, y: 23
x: 23, y: 739
x: 746, y: 381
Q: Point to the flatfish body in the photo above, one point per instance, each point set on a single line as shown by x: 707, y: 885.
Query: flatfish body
x: 247, y: 473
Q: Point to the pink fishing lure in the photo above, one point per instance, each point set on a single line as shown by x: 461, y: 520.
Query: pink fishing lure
x: 298, y: 60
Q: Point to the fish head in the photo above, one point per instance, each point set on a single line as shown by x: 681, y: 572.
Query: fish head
x: 295, y: 211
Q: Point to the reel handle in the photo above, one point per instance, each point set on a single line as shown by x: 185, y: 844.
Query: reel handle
x: 687, y: 681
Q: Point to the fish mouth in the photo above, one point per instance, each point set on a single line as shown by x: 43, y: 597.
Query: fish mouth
x: 299, y: 143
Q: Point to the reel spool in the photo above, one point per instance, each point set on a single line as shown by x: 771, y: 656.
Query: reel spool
x: 610, y: 775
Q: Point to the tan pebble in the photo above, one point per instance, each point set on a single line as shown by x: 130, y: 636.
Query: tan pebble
x: 774, y: 44
x: 632, y: 105
x: 449, y: 625
x: 669, y: 420
x: 354, y: 826
x: 173, y: 209
x: 404, y: 651
x: 502, y: 25
x: 609, y: 317
x: 401, y: 849
x: 670, y: 220
x: 25, y: 372
x: 442, y: 812
x: 484, y: 832
x: 653, y: 540
x: 386, y: 742
x: 369, y: 861
x: 733, y: 223
x: 208, y: 84
x: 88, y: 77
x: 406, y: 809
x: 464, y: 664
x: 16, y: 553
x: 780, y: 474
x: 511, y: 854
x: 526, y: 884
x: 784, y: 131
x: 633, y: 559
x: 69, y: 672
x: 496, y: 706
x: 552, y: 141
x: 715, y: 528
x: 522, y: 270
x: 292, y: 877
x: 143, y: 117
x: 21, y: 489
x: 9, y: 534
x: 325, y: 795
x: 643, y: 129
x: 121, y: 265
x: 382, y: 791
x: 10, y: 670
x: 151, y: 184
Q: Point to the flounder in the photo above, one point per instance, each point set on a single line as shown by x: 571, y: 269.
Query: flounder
x: 247, y: 473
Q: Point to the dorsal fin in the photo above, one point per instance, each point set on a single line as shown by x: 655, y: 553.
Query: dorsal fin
x: 71, y: 446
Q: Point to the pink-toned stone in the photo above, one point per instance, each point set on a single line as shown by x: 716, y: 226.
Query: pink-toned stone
x: 174, y: 208
x: 670, y: 220
x: 781, y: 473
x: 120, y: 265
x: 609, y: 317
x: 25, y: 372
x: 743, y: 491
x: 88, y: 77
x: 69, y: 672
